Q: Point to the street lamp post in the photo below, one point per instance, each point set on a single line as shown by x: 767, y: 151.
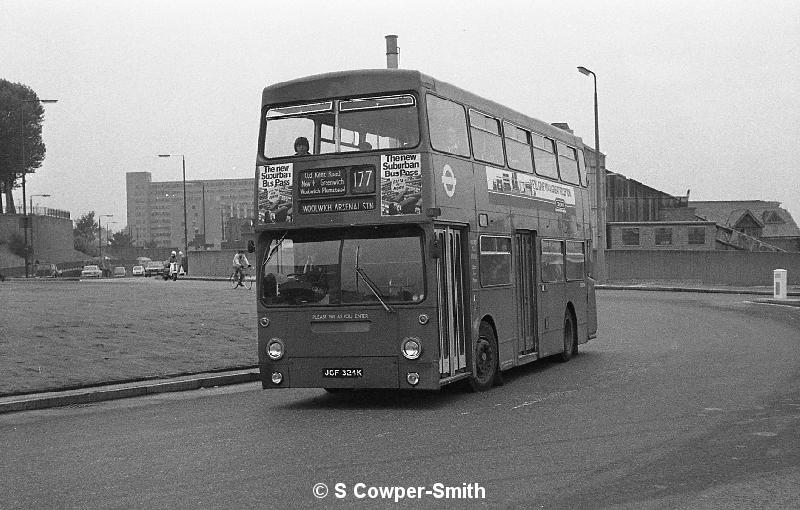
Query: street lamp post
x: 100, y: 238
x: 600, y: 271
x: 108, y: 229
x: 43, y: 195
x: 185, y: 260
x: 25, y: 218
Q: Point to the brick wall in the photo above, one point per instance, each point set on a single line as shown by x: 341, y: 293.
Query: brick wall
x: 713, y: 267
x: 52, y: 237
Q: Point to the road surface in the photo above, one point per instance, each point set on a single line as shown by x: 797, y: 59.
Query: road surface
x: 683, y: 401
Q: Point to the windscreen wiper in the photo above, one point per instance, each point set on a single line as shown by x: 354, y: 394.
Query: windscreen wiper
x: 360, y: 272
x: 276, y: 248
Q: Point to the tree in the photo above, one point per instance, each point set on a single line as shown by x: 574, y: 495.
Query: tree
x: 120, y: 241
x: 21, y: 117
x: 84, y: 234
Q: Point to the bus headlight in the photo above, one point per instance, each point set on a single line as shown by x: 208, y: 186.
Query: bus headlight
x: 275, y: 349
x: 412, y: 348
x: 412, y: 378
x: 277, y: 377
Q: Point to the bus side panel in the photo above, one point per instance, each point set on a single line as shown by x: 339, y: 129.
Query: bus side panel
x: 453, y: 185
x: 576, y: 292
x: 497, y: 302
x: 592, y: 314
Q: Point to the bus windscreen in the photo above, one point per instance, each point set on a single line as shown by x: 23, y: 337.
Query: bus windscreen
x: 349, y: 266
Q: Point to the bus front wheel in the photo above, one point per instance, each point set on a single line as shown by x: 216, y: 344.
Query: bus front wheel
x: 570, y: 337
x: 486, y: 371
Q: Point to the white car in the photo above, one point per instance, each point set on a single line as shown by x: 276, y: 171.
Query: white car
x: 91, y: 271
x: 137, y: 271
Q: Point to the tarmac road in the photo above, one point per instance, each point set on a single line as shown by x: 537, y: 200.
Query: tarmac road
x: 683, y: 401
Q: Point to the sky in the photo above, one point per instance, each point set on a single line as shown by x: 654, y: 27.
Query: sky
x: 693, y: 95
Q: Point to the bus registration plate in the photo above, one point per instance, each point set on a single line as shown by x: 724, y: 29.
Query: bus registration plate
x: 342, y: 372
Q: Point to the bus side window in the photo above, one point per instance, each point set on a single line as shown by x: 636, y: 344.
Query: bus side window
x: 552, y: 261
x: 487, y: 145
x: 575, y: 260
x: 447, y: 123
x: 518, y: 148
x: 568, y: 164
x: 495, y: 261
x: 544, y: 156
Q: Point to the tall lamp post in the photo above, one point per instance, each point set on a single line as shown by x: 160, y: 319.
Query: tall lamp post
x: 24, y: 172
x: 185, y: 260
x: 100, y: 238
x: 108, y: 229
x: 43, y: 195
x: 600, y: 271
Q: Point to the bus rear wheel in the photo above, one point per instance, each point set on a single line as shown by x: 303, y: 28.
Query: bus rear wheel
x: 570, y: 337
x: 486, y: 360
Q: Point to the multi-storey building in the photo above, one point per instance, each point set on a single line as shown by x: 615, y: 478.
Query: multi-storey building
x: 216, y: 210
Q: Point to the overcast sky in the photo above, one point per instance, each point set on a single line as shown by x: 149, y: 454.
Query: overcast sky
x: 700, y: 95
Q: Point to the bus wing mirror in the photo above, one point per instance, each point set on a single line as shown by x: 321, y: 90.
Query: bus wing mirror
x: 251, y: 246
x: 436, y: 249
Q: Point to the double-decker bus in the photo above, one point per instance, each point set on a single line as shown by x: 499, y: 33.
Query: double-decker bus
x: 411, y: 234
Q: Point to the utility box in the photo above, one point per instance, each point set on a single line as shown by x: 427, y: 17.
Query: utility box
x: 779, y: 283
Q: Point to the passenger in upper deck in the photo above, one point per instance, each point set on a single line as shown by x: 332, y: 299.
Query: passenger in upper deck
x: 301, y: 146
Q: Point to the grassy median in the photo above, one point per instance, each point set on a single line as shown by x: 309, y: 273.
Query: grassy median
x: 58, y: 334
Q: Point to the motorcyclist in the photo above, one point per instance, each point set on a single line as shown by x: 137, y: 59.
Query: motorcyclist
x: 173, y: 259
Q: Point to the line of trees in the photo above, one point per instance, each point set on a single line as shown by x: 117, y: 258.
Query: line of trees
x: 86, y: 234
x: 21, y: 116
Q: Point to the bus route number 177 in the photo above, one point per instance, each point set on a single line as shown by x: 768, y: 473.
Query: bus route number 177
x: 362, y: 180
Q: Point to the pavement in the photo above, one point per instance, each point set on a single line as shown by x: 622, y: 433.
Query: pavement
x: 92, y: 394
x: 72, y: 397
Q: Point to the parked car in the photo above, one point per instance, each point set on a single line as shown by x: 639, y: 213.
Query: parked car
x: 46, y: 270
x: 119, y: 272
x: 153, y: 268
x: 91, y: 271
x: 137, y: 271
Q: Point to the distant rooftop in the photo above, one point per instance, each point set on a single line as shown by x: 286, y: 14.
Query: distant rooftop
x: 776, y: 221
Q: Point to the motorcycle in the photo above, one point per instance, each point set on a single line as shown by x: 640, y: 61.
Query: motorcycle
x: 171, y: 271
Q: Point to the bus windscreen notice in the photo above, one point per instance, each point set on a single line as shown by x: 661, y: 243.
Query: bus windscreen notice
x: 275, y: 193
x: 332, y: 190
x: 323, y: 183
x: 337, y: 206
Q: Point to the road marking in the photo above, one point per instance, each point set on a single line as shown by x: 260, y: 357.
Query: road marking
x: 528, y: 403
x: 542, y: 399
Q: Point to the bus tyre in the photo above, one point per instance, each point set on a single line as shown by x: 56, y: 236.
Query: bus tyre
x: 487, y: 370
x: 570, y: 337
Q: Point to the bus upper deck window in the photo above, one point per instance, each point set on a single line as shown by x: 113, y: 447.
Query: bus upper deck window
x: 287, y: 125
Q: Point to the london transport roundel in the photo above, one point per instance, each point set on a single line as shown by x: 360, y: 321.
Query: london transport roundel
x: 449, y: 181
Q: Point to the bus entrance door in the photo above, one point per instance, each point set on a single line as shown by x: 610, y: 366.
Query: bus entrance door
x: 452, y: 301
x: 526, y: 291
